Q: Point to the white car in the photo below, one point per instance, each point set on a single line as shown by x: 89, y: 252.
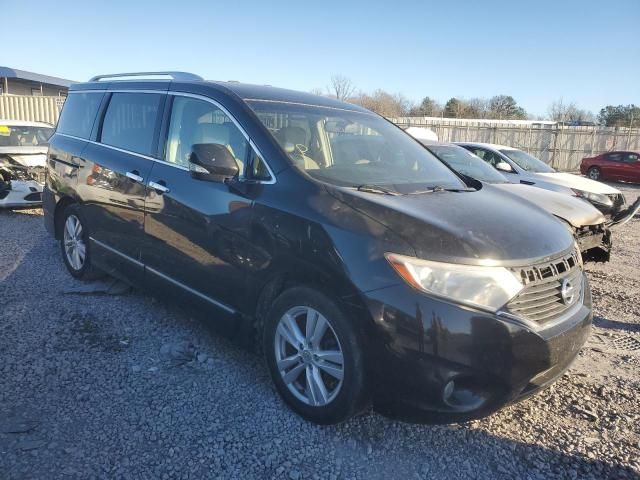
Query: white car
x: 520, y: 167
x: 23, y: 153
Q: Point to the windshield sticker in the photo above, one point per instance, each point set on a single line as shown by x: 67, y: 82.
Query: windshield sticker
x: 5, y: 131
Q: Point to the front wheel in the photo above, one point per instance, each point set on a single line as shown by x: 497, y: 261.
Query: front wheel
x: 315, y: 356
x: 594, y: 173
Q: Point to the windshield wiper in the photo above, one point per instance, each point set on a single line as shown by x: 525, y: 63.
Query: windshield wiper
x: 375, y: 189
x: 437, y: 188
x: 440, y: 188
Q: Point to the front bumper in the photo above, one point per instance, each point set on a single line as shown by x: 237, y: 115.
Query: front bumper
x: 20, y: 194
x: 438, y: 362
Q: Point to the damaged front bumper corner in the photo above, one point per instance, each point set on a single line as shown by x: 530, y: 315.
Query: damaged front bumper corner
x: 623, y: 216
x: 595, y: 240
x: 20, y: 187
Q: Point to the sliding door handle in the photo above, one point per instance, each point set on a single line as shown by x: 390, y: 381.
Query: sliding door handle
x: 159, y: 187
x: 135, y: 176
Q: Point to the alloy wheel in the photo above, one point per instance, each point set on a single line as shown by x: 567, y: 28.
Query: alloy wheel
x: 309, y: 356
x: 594, y: 174
x: 74, y: 246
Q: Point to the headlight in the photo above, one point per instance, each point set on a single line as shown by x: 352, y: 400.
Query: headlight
x: 593, y: 197
x: 487, y: 287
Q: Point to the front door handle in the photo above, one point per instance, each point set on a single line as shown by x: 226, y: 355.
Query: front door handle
x: 135, y: 176
x: 159, y: 187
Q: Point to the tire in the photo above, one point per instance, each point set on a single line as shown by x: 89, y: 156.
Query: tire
x: 330, y: 400
x: 76, y: 257
x: 594, y: 173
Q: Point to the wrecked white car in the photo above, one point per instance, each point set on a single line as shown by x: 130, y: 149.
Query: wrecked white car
x: 23, y: 152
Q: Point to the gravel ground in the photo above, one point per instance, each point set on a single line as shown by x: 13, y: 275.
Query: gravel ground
x: 114, y: 384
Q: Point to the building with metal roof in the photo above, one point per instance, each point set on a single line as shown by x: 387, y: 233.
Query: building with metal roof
x: 21, y: 82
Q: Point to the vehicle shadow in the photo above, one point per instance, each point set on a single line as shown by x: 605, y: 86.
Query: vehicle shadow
x: 615, y: 324
x: 469, y: 451
x: 368, y: 446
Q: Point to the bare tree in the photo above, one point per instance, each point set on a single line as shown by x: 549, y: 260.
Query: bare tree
x: 384, y: 103
x: 317, y: 91
x: 568, y: 112
x: 476, y: 108
x: 341, y: 87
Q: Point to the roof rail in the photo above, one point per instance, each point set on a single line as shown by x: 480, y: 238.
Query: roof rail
x: 173, y: 75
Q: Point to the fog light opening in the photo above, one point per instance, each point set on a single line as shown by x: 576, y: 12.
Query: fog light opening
x: 448, y: 390
x: 464, y: 394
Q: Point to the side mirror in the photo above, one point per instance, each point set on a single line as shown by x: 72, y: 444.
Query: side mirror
x: 504, y: 167
x: 212, y: 162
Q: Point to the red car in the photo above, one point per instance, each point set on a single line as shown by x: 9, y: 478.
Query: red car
x: 623, y: 165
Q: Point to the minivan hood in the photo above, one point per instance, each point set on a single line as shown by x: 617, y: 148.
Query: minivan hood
x: 575, y: 181
x: 466, y: 227
x: 574, y: 210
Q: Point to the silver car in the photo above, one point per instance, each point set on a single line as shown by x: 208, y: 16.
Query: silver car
x: 521, y: 167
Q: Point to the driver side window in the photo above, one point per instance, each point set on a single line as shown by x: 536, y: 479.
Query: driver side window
x: 195, y: 121
x: 489, y: 157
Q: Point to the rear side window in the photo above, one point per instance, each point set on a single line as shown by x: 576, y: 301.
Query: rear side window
x: 130, y: 120
x: 79, y: 113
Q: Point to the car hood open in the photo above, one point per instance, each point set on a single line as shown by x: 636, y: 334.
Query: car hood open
x: 575, y: 181
x: 466, y: 227
x: 574, y: 210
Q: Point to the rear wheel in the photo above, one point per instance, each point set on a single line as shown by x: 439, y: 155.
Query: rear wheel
x: 315, y: 356
x: 594, y: 173
x: 74, y: 243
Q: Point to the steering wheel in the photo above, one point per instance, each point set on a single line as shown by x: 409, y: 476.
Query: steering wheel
x: 301, y: 149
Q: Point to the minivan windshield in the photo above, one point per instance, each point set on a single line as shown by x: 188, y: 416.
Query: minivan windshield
x: 465, y: 162
x: 527, y: 162
x: 353, y: 149
x: 24, y: 136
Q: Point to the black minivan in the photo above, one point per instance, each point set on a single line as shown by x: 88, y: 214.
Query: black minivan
x: 365, y: 269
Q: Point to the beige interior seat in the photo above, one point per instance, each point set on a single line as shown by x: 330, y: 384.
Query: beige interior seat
x: 289, y: 138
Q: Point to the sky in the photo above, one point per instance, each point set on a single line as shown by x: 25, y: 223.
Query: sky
x: 587, y: 51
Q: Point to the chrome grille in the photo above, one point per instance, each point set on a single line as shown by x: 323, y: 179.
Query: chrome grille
x: 542, y: 300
